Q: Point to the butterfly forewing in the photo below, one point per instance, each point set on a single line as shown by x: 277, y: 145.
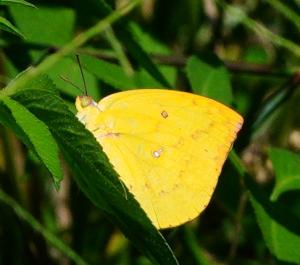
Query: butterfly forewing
x: 168, y: 147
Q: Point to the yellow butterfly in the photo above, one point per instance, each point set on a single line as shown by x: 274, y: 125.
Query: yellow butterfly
x: 168, y: 147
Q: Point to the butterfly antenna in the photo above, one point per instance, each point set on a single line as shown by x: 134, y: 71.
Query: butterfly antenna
x: 80, y: 67
x: 71, y: 83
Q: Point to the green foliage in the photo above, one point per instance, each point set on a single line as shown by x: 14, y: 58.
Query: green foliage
x: 213, y: 50
x: 32, y: 21
x: 114, y: 75
x: 209, y: 79
x: 280, y: 227
x: 7, y: 26
x: 40, y: 138
x: 287, y: 171
x: 20, y: 2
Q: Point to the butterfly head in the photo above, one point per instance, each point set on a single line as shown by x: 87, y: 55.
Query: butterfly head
x: 87, y: 109
x: 83, y: 102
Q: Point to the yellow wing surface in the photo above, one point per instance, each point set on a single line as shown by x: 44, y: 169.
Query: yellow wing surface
x: 168, y: 147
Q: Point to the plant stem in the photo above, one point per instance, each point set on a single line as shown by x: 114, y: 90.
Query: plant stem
x: 117, y: 47
x: 238, y: 227
x: 180, y: 61
x: 237, y: 163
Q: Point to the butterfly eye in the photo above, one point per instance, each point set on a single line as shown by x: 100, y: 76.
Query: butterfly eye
x: 86, y: 101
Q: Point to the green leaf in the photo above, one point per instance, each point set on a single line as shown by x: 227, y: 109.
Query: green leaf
x: 152, y: 46
x: 114, y: 75
x: 132, y: 45
x: 109, y: 73
x: 287, y: 171
x: 209, y: 77
x: 140, y: 55
x: 8, y: 121
x: 45, y: 25
x: 7, y: 26
x: 94, y: 174
x: 38, y: 134
x: 143, y: 79
x: 256, y: 55
x: 271, y: 104
x: 20, y: 2
x: 147, y: 41
x: 279, y: 226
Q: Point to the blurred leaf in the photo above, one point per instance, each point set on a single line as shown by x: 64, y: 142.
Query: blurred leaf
x: 178, y: 21
x: 228, y: 183
x: 148, y: 42
x: 142, y: 79
x: 190, y: 239
x: 134, y: 48
x: 114, y: 75
x: 287, y: 171
x: 209, y: 78
x: 45, y: 25
x: 82, y: 38
x: 109, y: 73
x: 279, y: 226
x: 153, y: 46
x: 256, y: 55
x: 48, y: 235
x: 7, y: 26
x: 274, y: 101
x: 21, y: 2
x: 11, y: 238
x: 259, y: 28
x: 40, y: 137
x: 93, y: 172
x: 140, y: 55
x: 285, y: 10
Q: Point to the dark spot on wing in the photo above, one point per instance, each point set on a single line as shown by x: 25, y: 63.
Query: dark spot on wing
x: 164, y: 114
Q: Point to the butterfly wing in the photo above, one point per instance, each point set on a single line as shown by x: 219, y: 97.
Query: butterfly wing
x: 168, y: 147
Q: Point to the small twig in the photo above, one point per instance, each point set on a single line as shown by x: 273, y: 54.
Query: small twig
x: 238, y: 227
x: 120, y: 53
x: 239, y: 67
x: 180, y: 61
